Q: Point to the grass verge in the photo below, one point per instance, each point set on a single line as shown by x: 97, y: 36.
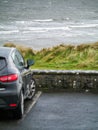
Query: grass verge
x: 63, y: 57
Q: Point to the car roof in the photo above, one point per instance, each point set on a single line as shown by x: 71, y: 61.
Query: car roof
x: 5, y: 51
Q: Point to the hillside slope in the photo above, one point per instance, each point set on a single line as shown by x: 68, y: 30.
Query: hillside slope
x: 67, y: 57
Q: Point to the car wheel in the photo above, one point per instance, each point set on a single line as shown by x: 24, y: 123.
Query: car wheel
x: 18, y: 113
x: 32, y: 90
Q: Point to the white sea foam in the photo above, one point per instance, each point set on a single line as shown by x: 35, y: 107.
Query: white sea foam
x: 84, y: 26
x: 43, y: 29
x: 43, y: 20
x: 48, y: 32
x: 34, y: 21
x: 33, y: 31
x: 9, y: 32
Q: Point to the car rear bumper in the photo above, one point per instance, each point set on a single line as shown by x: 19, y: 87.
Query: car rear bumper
x: 9, y: 101
x: 9, y: 95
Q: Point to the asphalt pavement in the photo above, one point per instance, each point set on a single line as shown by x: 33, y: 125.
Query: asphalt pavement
x: 57, y: 111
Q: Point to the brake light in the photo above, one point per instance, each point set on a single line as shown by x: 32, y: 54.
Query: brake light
x: 12, y: 105
x: 9, y: 78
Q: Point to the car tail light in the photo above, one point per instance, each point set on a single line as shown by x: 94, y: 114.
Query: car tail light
x: 13, y: 105
x: 9, y: 78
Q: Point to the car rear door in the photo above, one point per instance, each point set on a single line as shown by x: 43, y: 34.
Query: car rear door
x: 20, y: 64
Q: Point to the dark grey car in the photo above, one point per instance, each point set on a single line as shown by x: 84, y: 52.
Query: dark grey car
x: 16, y: 81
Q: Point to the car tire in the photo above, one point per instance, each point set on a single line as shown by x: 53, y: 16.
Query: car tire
x: 18, y: 113
x: 32, y: 89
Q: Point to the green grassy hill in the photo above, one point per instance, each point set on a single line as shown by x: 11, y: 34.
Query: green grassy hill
x: 67, y: 57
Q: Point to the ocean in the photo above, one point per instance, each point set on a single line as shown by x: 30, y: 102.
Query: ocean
x: 46, y: 23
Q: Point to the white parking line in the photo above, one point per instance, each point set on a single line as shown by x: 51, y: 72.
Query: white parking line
x: 33, y: 103
x: 37, y: 95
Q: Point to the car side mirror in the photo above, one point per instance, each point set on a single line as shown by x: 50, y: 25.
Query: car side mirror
x: 30, y: 63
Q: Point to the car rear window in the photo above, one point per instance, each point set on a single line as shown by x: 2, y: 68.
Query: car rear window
x: 2, y: 63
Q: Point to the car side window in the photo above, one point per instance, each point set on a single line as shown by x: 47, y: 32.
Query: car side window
x: 2, y: 63
x: 18, y: 59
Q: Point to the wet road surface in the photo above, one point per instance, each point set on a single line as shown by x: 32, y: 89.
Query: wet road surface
x: 58, y: 111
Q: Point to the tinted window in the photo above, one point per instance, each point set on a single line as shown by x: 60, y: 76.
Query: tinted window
x: 18, y: 59
x: 2, y: 63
